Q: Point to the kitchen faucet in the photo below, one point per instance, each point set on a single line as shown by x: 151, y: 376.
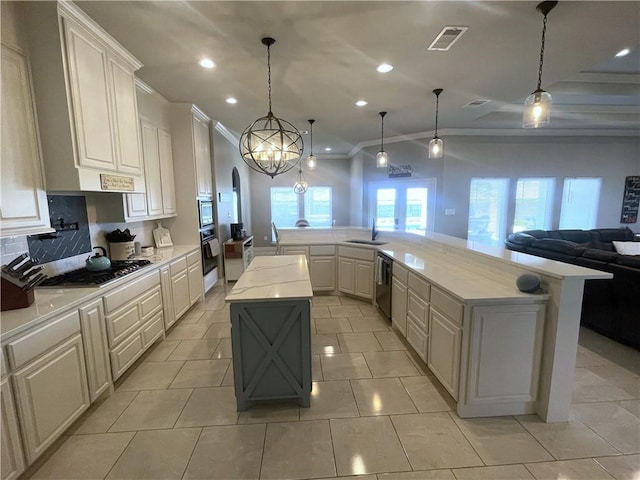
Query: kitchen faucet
x: 374, y: 232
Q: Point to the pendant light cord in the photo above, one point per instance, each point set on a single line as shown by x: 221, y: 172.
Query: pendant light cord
x: 544, y: 31
x: 311, y: 147
x: 382, y: 114
x: 269, y: 74
x: 437, y: 106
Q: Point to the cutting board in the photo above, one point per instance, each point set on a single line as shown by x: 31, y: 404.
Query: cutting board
x: 162, y: 237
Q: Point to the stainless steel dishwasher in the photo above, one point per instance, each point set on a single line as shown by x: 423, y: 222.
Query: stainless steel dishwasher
x: 383, y: 284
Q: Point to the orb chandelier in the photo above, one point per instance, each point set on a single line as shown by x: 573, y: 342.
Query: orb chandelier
x: 436, y: 145
x: 382, y: 159
x: 537, y: 106
x: 271, y: 145
x: 311, y: 159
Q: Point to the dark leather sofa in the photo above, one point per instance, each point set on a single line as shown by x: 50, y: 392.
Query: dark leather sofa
x: 610, y: 307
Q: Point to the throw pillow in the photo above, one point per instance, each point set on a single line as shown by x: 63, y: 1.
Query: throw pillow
x: 627, y: 248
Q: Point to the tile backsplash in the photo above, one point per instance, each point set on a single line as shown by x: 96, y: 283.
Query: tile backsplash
x: 11, y: 247
x: 68, y: 214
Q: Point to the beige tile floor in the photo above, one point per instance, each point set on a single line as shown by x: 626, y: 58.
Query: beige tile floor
x: 376, y: 414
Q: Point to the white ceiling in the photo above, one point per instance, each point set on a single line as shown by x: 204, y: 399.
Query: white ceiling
x: 326, y: 52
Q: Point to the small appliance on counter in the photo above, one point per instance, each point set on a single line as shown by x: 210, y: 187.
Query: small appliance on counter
x: 120, y: 244
x: 19, y: 278
x: 237, y: 232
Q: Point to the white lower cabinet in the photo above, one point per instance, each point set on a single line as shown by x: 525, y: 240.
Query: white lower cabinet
x: 180, y: 287
x: 96, y: 351
x: 399, y: 305
x: 167, y: 297
x: 356, y: 271
x: 12, y: 460
x: 322, y: 271
x: 51, y: 393
x: 418, y: 296
x: 196, y: 285
x: 134, y: 319
x: 443, y: 351
x: 346, y: 275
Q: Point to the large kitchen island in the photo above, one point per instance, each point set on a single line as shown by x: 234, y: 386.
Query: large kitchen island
x: 271, y: 332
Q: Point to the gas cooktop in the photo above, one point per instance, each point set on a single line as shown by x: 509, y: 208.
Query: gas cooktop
x: 85, y: 278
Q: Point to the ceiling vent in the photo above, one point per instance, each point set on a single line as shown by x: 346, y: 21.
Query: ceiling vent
x: 477, y: 103
x: 446, y: 38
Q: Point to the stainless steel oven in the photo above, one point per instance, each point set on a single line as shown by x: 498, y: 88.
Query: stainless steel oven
x: 383, y: 284
x: 209, y: 250
x: 205, y: 214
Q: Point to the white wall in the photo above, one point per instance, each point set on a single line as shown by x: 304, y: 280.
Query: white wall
x: 225, y: 157
x: 611, y: 158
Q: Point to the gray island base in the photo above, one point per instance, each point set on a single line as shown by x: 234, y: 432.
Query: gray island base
x: 270, y: 331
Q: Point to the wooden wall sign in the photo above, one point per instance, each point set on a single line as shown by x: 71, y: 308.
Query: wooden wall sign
x: 630, y: 200
x: 116, y: 183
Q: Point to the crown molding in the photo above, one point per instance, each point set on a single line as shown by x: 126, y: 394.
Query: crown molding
x: 502, y: 132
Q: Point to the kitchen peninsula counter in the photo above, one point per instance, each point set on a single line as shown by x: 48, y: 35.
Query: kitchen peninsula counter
x: 271, y: 331
x: 497, y: 318
x: 50, y: 302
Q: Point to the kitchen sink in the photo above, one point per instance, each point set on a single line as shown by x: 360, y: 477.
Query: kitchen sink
x: 367, y: 242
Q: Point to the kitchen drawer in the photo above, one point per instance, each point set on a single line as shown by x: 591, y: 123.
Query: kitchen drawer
x: 152, y: 330
x: 295, y: 250
x: 193, y: 257
x: 178, y: 266
x: 322, y: 250
x: 417, y: 338
x: 150, y: 303
x: 123, y: 323
x: 44, y: 338
x: 124, y: 355
x: 420, y: 286
x: 447, y: 305
x: 126, y: 293
x: 400, y: 272
x: 419, y: 309
x: 359, y: 253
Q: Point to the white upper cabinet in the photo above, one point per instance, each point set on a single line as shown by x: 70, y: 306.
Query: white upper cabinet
x: 88, y: 81
x: 23, y: 201
x: 166, y: 173
x: 85, y: 91
x: 160, y: 199
x: 202, y: 154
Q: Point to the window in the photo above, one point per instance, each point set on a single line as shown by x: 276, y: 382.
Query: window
x: 317, y: 206
x: 580, y: 198
x: 288, y: 206
x: 534, y: 204
x: 488, y: 210
x: 406, y: 205
x: 284, y: 206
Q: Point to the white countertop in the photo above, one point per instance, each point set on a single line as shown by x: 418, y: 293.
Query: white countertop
x: 50, y: 302
x: 268, y: 278
x: 454, y: 264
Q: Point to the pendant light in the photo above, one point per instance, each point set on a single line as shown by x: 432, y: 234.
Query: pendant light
x: 382, y: 159
x: 271, y: 145
x: 537, y: 106
x: 311, y: 159
x: 301, y: 186
x: 436, y: 145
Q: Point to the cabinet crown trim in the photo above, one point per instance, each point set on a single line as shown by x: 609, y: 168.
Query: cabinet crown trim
x: 71, y: 11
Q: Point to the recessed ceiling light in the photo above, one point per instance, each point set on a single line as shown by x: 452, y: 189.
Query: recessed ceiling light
x: 231, y: 100
x: 384, y: 68
x: 328, y: 149
x: 623, y: 52
x: 361, y: 103
x: 207, y: 63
